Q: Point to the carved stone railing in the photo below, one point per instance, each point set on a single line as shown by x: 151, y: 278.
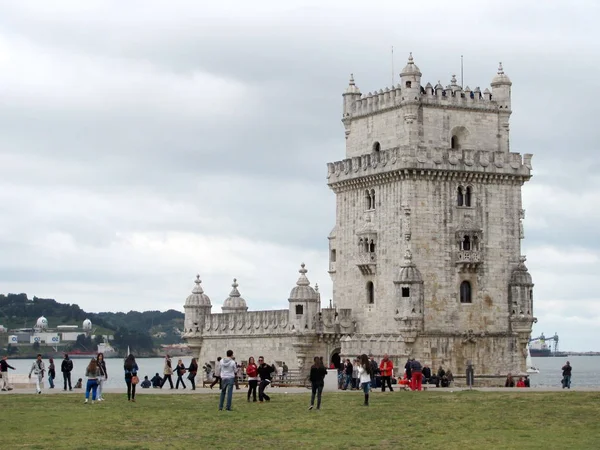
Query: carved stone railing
x: 367, y: 263
x: 468, y: 257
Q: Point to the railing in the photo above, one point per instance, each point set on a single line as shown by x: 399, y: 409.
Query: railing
x: 367, y: 263
x: 468, y: 256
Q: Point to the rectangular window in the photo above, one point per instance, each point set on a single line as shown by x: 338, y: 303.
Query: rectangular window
x: 299, y: 309
x: 332, y: 256
x: 405, y: 292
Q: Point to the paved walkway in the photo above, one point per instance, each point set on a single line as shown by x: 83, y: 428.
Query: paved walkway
x: 290, y: 390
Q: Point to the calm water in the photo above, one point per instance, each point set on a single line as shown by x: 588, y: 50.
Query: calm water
x: 586, y: 370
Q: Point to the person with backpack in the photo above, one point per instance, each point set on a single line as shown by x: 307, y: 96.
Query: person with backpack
x: 38, y: 369
x: 317, y: 381
x: 252, y: 374
x: 365, y: 369
x: 66, y: 368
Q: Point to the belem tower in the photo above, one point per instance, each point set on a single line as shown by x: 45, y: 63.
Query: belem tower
x: 425, y: 255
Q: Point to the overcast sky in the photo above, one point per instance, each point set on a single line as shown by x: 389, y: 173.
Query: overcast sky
x: 141, y: 143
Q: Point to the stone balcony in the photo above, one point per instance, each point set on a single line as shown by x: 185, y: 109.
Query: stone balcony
x: 468, y: 259
x: 367, y: 263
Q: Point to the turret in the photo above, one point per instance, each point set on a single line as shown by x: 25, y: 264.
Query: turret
x: 235, y: 302
x: 501, y: 95
x: 197, y: 307
x: 410, y: 78
x: 350, y: 96
x: 409, y: 312
x: 304, y: 303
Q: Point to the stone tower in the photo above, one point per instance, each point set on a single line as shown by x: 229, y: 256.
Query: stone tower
x: 426, y: 249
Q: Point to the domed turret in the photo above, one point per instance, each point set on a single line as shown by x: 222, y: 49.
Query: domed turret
x: 411, y: 68
x: 234, y: 303
x: 303, y: 291
x: 42, y: 323
x: 521, y: 276
x: 501, y: 78
x: 350, y: 96
x: 197, y: 297
x: 408, y: 270
x: 87, y: 325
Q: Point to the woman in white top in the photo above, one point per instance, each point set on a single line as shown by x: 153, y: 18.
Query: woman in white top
x: 364, y: 375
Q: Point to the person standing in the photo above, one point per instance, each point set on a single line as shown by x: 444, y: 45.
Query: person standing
x: 264, y: 372
x: 374, y: 370
x: 51, y: 373
x: 38, y: 368
x: 180, y: 371
x: 193, y: 371
x: 417, y: 375
x: 217, y: 373
x: 131, y: 379
x: 317, y: 381
x: 252, y: 374
x: 286, y: 370
x: 168, y: 372
x: 408, y: 369
x: 566, y: 371
x: 4, y: 366
x: 66, y: 367
x: 228, y: 369
x: 386, y: 368
x: 364, y: 376
x: 92, y: 372
x: 103, y: 375
x: 348, y: 374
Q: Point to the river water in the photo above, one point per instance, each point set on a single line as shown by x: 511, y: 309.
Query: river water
x: 586, y: 370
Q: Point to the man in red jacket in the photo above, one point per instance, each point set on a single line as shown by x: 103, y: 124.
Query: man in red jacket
x: 386, y: 369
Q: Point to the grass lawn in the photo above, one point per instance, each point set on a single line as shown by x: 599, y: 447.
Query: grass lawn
x: 412, y: 420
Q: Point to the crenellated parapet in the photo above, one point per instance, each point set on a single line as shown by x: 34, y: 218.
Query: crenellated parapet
x: 247, y: 323
x: 399, y: 162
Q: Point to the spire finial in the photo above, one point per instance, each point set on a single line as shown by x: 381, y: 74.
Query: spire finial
x: 500, y: 68
x: 351, y: 79
x: 302, y: 270
x: 453, y: 80
x: 198, y: 280
x: 302, y: 280
x: 410, y: 58
x: 234, y: 285
x: 316, y: 287
x: 234, y: 292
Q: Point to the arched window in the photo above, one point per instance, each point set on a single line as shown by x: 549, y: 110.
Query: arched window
x: 466, y: 243
x: 370, y: 293
x: 460, y: 198
x: 475, y: 243
x: 376, y: 147
x: 454, y: 142
x: 372, y: 198
x: 465, y: 292
x: 368, y: 200
x: 372, y: 247
x: 332, y: 255
x: 468, y: 193
x: 299, y: 309
x: 408, y: 84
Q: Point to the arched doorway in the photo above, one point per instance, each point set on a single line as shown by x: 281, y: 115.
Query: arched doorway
x: 335, y: 358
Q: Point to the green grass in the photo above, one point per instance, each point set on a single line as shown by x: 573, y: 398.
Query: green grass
x: 412, y: 420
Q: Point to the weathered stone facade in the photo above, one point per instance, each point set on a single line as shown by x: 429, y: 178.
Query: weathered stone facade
x: 425, y: 255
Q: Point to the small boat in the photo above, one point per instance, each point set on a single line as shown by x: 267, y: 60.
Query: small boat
x: 529, y: 363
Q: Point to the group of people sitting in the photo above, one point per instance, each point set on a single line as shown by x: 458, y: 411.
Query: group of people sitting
x: 522, y: 381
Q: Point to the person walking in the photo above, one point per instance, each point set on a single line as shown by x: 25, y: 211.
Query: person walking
x: 193, y: 371
x: 4, y: 366
x: 348, y: 374
x: 180, y: 371
x: 51, y: 373
x: 38, y: 368
x: 365, y: 367
x: 252, y: 374
x: 66, y: 367
x: 317, y: 381
x: 264, y: 372
x: 217, y: 373
x: 131, y: 379
x: 228, y: 368
x: 168, y: 372
x: 386, y: 368
x: 103, y: 375
x: 92, y: 372
x: 566, y: 371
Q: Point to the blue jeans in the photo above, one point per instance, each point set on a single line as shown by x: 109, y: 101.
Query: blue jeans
x: 348, y: 381
x: 226, y: 385
x: 92, y: 385
x: 366, y: 387
x: 566, y: 382
x: 317, y: 389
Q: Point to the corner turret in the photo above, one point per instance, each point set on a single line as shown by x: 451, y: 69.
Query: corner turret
x: 410, y: 303
x: 304, y: 303
x: 350, y: 96
x: 197, y: 307
x: 410, y: 78
x: 235, y: 302
x: 501, y: 88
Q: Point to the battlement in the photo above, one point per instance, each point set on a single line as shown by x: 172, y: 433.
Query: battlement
x: 448, y: 97
x: 250, y: 322
x: 404, y: 160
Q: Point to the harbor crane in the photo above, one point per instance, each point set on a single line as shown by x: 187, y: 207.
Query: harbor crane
x: 544, y: 339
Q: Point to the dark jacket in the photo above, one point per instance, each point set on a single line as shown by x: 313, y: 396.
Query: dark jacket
x: 102, y: 367
x: 51, y: 370
x: 567, y: 370
x: 349, y: 369
x: 67, y: 365
x: 4, y: 366
x: 408, y: 368
x: 374, y: 367
x: 426, y: 373
x: 131, y: 372
x: 193, y: 368
x: 180, y: 369
x: 317, y: 374
x: 415, y: 366
x: 265, y: 370
x: 156, y: 381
